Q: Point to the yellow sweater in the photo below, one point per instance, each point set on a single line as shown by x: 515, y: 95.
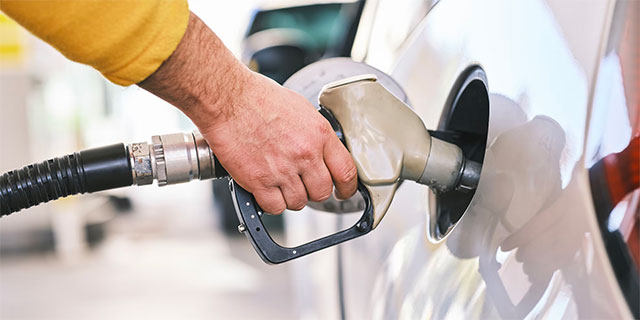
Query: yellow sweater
x: 126, y: 40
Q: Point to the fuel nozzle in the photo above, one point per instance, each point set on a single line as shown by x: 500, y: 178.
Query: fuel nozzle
x: 389, y: 142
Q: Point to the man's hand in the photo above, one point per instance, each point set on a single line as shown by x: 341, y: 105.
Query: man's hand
x: 278, y: 147
x: 270, y: 139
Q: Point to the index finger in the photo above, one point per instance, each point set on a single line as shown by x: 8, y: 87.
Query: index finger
x: 342, y: 168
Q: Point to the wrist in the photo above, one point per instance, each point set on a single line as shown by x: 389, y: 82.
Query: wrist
x: 220, y: 95
x: 202, y: 78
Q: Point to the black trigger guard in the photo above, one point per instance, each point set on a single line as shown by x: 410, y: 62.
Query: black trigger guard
x: 250, y: 216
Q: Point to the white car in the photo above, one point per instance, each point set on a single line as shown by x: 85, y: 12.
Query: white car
x: 542, y: 93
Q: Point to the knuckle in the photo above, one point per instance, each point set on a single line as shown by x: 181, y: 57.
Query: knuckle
x: 257, y: 175
x: 323, y: 192
x: 325, y: 129
x: 348, y: 174
x: 296, y: 200
x: 323, y: 195
x: 262, y: 179
x: 306, y: 152
x: 269, y: 203
x: 279, y: 209
x: 275, y: 208
x: 298, y: 203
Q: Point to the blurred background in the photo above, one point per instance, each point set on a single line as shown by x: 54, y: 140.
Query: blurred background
x: 175, y: 252
x: 161, y: 253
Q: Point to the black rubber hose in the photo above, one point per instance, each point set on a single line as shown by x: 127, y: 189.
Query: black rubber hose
x: 81, y: 172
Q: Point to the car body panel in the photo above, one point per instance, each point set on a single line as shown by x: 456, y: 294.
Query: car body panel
x: 529, y: 244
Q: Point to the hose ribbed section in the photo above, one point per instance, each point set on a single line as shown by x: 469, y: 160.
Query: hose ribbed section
x: 90, y: 170
x: 41, y: 182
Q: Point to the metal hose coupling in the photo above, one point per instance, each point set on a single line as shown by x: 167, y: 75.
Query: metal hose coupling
x: 174, y: 158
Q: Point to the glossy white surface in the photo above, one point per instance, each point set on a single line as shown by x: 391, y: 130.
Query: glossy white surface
x: 528, y: 246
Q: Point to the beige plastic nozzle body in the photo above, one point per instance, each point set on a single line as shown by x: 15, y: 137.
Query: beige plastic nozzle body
x: 388, y: 141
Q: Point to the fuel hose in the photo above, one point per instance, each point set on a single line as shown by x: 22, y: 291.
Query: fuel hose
x: 81, y: 172
x: 168, y: 159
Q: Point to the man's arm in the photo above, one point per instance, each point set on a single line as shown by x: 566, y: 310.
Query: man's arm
x: 269, y: 138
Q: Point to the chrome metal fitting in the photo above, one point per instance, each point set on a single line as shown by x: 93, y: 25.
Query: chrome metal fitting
x: 470, y: 176
x: 447, y: 169
x: 206, y: 158
x: 141, y: 163
x: 178, y: 158
x: 174, y: 158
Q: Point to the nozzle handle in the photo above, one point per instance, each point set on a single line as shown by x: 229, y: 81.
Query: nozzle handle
x: 250, y: 217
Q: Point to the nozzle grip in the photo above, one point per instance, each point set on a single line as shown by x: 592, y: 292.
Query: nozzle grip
x: 250, y: 216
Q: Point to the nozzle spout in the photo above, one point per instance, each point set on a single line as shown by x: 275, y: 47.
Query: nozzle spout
x: 447, y: 169
x: 470, y: 175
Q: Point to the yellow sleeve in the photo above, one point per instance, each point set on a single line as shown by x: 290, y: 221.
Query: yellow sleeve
x: 126, y: 40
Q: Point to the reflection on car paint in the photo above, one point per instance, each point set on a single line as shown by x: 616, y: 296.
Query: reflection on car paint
x: 519, y: 263
x: 529, y: 243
